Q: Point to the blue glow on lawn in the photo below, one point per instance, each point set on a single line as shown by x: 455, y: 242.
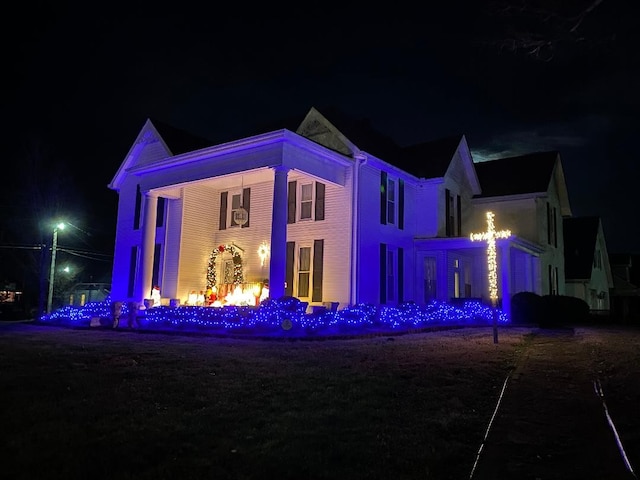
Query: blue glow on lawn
x: 284, y: 317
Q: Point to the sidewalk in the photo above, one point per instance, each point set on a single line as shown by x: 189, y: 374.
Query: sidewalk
x: 550, y: 423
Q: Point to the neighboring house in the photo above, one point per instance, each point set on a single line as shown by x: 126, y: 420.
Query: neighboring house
x: 587, y: 269
x: 625, y: 296
x: 82, y: 293
x: 529, y: 195
x: 341, y: 213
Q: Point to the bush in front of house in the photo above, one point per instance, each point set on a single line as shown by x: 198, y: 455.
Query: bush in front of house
x: 560, y: 310
x: 527, y: 308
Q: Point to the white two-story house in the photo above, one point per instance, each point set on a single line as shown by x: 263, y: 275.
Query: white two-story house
x: 322, y: 212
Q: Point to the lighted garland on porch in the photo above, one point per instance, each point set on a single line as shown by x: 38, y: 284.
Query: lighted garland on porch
x: 237, y: 265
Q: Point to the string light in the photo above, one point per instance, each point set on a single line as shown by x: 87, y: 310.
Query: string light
x: 263, y: 253
x: 492, y: 265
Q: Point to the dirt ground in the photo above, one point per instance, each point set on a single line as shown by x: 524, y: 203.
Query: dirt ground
x: 569, y: 407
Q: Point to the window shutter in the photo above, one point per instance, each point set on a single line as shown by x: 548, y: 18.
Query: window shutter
x: 447, y: 213
x: 246, y: 204
x: 136, y: 213
x: 383, y: 198
x: 320, y: 187
x: 318, y: 254
x: 383, y: 273
x: 548, y: 223
x: 155, y: 278
x: 291, y: 202
x: 459, y: 215
x: 223, y: 210
x: 555, y: 227
x: 133, y: 266
x: 401, y: 204
x: 400, y: 274
x: 160, y: 213
x: 288, y: 275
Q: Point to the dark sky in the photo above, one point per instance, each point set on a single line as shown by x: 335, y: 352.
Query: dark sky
x: 514, y: 77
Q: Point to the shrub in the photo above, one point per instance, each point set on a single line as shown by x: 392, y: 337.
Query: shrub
x: 563, y: 310
x: 526, y: 308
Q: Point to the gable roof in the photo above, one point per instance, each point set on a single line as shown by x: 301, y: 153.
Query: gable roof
x: 346, y: 134
x: 521, y: 174
x: 177, y: 140
x: 580, y: 236
x: 429, y: 159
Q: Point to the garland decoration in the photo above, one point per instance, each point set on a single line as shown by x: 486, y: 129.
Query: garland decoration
x: 237, y: 265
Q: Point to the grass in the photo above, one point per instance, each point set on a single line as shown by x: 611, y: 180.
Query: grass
x: 130, y: 405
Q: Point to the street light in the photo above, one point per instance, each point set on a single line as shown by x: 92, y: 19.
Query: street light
x: 52, y: 271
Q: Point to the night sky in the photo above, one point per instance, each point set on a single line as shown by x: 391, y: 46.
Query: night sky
x: 81, y: 79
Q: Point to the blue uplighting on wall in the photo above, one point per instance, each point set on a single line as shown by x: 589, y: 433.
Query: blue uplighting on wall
x: 283, y: 317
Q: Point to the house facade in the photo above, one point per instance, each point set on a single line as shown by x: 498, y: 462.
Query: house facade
x: 312, y: 213
x: 588, y: 271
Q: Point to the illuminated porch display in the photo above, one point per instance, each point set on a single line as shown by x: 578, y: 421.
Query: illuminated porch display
x: 263, y: 253
x: 490, y: 236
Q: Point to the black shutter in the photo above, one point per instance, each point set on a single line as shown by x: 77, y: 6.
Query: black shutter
x: 383, y: 273
x: 319, y: 201
x: 223, y: 210
x: 291, y: 202
x: 548, y: 223
x: 383, y: 198
x: 401, y: 204
x: 447, y: 212
x: 555, y: 227
x: 246, y: 204
x: 318, y: 254
x: 459, y: 215
x: 288, y: 275
x: 133, y: 263
x: 155, y: 279
x: 400, y: 274
x: 160, y: 212
x: 136, y: 217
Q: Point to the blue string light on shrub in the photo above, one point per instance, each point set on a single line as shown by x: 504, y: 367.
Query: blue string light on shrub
x: 286, y: 316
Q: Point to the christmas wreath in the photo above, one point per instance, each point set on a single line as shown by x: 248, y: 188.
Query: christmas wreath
x: 237, y: 265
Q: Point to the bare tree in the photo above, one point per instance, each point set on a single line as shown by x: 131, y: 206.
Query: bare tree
x: 539, y: 29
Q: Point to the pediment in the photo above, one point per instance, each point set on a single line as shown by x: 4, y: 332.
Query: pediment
x: 318, y: 129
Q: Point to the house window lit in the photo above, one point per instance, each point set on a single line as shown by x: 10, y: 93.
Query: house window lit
x: 306, y: 201
x: 456, y: 278
x: 304, y: 271
x: 236, y: 205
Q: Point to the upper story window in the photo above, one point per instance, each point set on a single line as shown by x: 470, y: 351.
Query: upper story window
x: 237, y: 213
x: 234, y: 208
x: 597, y: 259
x: 306, y: 201
x: 391, y: 201
x: 453, y: 214
x: 552, y: 231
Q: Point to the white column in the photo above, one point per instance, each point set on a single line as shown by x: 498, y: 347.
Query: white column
x: 505, y: 277
x: 147, y: 246
x: 278, y: 260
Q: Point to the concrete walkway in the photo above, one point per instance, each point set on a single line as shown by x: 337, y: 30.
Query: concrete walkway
x: 550, y: 422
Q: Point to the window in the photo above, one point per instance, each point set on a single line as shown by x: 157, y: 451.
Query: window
x: 391, y: 279
x: 456, y: 278
x: 236, y: 214
x: 391, y: 201
x: 304, y: 271
x: 453, y: 214
x: 597, y: 259
x: 306, y: 201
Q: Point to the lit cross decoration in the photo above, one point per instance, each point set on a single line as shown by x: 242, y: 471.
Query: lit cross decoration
x: 490, y: 237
